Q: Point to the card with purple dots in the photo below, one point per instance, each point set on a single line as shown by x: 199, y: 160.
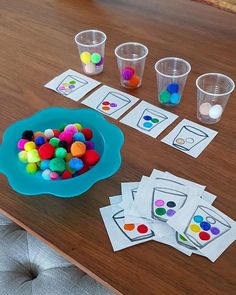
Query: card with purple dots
x: 149, y: 119
x: 190, y: 137
x: 72, y: 84
x: 110, y: 101
x: 205, y: 228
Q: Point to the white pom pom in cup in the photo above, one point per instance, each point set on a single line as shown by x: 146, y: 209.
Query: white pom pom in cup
x: 213, y: 92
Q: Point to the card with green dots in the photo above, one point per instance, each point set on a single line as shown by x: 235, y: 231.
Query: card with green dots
x: 72, y: 84
x: 149, y: 119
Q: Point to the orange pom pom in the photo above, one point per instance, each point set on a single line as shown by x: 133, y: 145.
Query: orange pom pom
x: 134, y: 81
x: 78, y: 149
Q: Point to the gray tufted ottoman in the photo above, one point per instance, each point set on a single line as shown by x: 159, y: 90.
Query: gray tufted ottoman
x: 29, y: 267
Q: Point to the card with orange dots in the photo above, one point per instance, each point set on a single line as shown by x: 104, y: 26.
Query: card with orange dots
x: 205, y: 227
x: 110, y: 101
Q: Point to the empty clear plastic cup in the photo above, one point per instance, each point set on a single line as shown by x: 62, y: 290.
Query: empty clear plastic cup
x: 91, y: 46
x: 131, y: 58
x: 171, y: 73
x: 213, y: 92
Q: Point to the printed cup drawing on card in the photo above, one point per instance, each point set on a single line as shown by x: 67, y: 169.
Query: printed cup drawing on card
x: 70, y: 84
x: 166, y: 202
x: 113, y: 102
x: 188, y: 137
x: 205, y: 226
x: 180, y: 239
x: 134, y: 192
x: 150, y: 119
x: 134, y: 232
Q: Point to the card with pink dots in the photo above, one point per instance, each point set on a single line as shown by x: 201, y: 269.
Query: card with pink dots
x: 72, y: 84
x: 149, y: 119
x: 110, y: 101
x: 205, y: 228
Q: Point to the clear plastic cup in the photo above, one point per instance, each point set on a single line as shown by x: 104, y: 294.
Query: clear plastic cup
x: 171, y: 73
x: 150, y: 119
x: 131, y: 58
x: 91, y: 46
x: 213, y: 92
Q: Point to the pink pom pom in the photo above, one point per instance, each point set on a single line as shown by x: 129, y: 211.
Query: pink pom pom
x: 66, y: 136
x: 71, y: 128
x: 21, y: 143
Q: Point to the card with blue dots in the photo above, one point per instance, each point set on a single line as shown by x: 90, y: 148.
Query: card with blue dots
x: 149, y: 119
x: 72, y: 84
x: 205, y: 227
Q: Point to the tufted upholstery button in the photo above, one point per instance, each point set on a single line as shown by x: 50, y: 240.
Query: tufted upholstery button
x: 29, y: 267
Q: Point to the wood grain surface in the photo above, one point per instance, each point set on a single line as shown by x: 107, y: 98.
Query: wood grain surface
x: 36, y: 45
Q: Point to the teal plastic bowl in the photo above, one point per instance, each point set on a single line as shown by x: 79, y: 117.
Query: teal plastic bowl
x: 108, y: 141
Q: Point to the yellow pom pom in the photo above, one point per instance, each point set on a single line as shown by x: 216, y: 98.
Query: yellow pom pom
x: 68, y: 157
x: 31, y: 168
x: 85, y: 57
x: 29, y: 146
x: 23, y: 156
x: 78, y: 126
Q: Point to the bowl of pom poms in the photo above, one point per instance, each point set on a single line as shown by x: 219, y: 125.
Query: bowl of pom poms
x: 59, y: 151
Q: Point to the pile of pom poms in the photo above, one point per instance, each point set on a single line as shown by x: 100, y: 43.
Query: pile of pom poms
x: 58, y: 154
x: 170, y: 95
x: 129, y: 77
x: 91, y: 61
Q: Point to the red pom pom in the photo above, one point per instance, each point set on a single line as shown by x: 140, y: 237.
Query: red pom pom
x: 46, y: 151
x: 83, y: 170
x: 56, y: 132
x: 91, y: 157
x: 88, y: 134
x: 66, y: 174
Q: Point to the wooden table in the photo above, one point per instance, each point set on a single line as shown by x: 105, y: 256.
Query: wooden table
x: 36, y: 45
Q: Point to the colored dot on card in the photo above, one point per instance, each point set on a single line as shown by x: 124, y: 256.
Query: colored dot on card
x: 204, y: 236
x: 105, y: 108
x: 65, y: 84
x: 195, y: 228
x: 170, y: 212
x: 198, y: 218
x: 160, y: 211
x: 147, y: 125
x: 171, y: 204
x: 154, y: 120
x: 142, y: 229
x: 147, y: 118
x: 72, y: 86
x: 113, y: 105
x: 72, y: 82
x: 189, y: 140
x: 61, y: 88
x: 180, y: 140
x: 159, y: 203
x: 210, y: 220
x: 129, y: 226
x: 106, y: 103
x: 182, y: 238
x: 205, y: 225
x: 215, y: 230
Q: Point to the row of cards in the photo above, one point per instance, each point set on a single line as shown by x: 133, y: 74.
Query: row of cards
x: 187, y: 136
x: 169, y: 210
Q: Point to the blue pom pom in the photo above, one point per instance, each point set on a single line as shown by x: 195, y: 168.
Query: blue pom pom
x: 44, y: 164
x: 175, y: 98
x: 173, y: 88
x: 39, y: 140
x: 76, y: 164
x: 79, y: 137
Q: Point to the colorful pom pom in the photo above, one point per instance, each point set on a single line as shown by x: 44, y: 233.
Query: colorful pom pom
x: 66, y: 175
x: 57, y: 165
x: 91, y: 157
x: 30, y: 145
x: 31, y: 168
x: 88, y: 134
x: 46, y: 151
x: 21, y: 144
x: 28, y: 134
x: 78, y: 149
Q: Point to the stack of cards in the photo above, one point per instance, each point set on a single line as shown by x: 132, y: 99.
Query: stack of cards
x: 169, y: 210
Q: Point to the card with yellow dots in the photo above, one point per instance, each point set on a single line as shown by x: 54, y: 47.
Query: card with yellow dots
x: 72, y: 84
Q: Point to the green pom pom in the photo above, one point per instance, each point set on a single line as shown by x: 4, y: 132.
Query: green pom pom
x: 23, y: 156
x: 63, y: 127
x: 57, y: 165
x: 54, y: 141
x: 31, y: 168
x: 96, y: 58
x: 164, y: 96
x: 33, y: 156
x: 61, y: 153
